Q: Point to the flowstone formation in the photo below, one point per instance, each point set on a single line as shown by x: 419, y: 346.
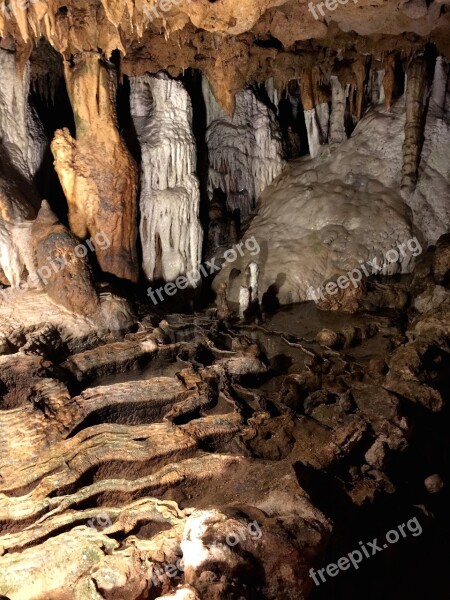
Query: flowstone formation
x: 325, y: 217
x: 245, y: 151
x: 170, y: 231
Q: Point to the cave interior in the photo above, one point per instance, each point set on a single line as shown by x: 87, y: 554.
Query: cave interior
x: 224, y: 299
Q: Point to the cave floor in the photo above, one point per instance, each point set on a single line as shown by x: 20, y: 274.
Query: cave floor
x: 126, y: 455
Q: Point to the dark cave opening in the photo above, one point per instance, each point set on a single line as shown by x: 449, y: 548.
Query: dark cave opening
x: 55, y: 112
x: 291, y: 117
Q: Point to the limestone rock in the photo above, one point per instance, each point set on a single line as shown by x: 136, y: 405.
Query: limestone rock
x: 171, y: 234
x: 98, y: 175
x: 434, y: 483
x: 441, y: 261
x: 63, y: 269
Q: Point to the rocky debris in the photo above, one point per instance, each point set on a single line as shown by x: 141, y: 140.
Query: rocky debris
x: 434, y: 483
x: 431, y: 299
x: 345, y: 300
x: 33, y: 323
x: 332, y: 339
x: 186, y: 447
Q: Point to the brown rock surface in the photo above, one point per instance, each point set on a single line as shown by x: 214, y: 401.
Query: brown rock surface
x: 175, y: 448
x: 63, y: 270
x: 97, y: 173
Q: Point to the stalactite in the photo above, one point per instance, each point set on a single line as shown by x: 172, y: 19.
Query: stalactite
x: 245, y: 151
x: 22, y: 135
x: 429, y: 200
x: 272, y: 91
x: 337, y: 118
x: 359, y: 72
x: 414, y: 126
x: 312, y: 129
x: 321, y: 100
x: 377, y: 86
x: 171, y: 234
x: 439, y: 97
x: 316, y: 111
x: 22, y: 146
x: 389, y: 80
x: 97, y: 173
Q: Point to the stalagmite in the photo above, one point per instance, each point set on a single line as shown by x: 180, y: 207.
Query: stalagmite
x: 313, y: 132
x: 62, y: 265
x: 245, y: 151
x: 244, y: 300
x: 323, y: 120
x: 170, y: 230
x: 414, y: 126
x: 97, y: 173
x: 253, y: 277
x: 337, y: 118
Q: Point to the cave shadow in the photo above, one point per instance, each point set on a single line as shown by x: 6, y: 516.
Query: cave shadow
x: 192, y: 81
x: 270, y: 302
x: 22, y: 188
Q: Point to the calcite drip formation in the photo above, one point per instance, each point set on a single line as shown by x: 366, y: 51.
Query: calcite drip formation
x: 245, y: 150
x: 395, y: 158
x: 171, y: 234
